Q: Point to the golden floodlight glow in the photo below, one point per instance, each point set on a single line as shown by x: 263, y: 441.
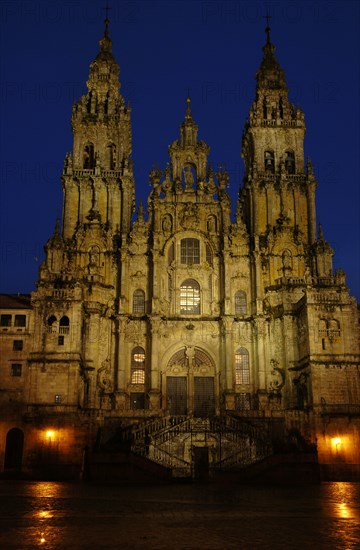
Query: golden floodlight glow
x: 336, y: 441
x: 50, y: 434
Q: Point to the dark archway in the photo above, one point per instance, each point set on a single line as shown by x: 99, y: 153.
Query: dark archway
x: 14, y: 449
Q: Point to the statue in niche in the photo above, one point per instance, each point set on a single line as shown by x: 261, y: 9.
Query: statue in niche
x: 188, y: 177
x: 211, y: 224
x: 286, y: 261
x: 167, y: 224
x: 190, y: 355
x: 94, y: 256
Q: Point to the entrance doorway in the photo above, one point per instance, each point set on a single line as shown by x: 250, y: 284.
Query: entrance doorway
x: 14, y: 449
x: 204, y: 403
x: 201, y: 462
x: 176, y: 394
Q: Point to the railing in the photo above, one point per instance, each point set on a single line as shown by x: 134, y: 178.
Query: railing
x: 63, y: 294
x: 340, y: 409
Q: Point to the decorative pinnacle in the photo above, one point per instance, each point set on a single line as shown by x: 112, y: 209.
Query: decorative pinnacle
x: 268, y: 29
x: 106, y: 21
x: 188, y: 109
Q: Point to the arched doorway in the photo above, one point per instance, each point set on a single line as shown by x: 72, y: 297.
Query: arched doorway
x: 14, y: 449
x: 190, y: 387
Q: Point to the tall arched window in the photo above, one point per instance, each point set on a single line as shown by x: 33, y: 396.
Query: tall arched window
x: 138, y: 366
x: 190, y: 251
x: 52, y: 324
x: 64, y: 325
x: 111, y: 156
x: 240, y: 302
x: 139, y: 301
x: 242, y: 366
x: 269, y: 160
x: 89, y: 156
x: 290, y: 162
x: 190, y: 297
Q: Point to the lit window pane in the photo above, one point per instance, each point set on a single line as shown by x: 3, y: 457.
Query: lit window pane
x: 190, y: 297
x: 242, y: 367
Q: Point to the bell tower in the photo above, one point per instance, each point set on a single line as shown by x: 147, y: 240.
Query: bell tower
x: 98, y: 177
x: 79, y: 281
x: 278, y: 194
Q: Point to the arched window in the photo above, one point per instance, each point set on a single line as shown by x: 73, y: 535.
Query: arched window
x: 190, y: 297
x: 240, y: 302
x: 111, y: 156
x: 64, y: 325
x: 89, y: 156
x: 209, y: 255
x: 190, y: 251
x: 138, y: 366
x: 242, y: 366
x: 269, y: 161
x: 52, y: 324
x: 290, y: 162
x: 139, y: 301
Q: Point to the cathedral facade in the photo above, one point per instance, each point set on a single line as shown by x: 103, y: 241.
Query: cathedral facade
x: 183, y: 317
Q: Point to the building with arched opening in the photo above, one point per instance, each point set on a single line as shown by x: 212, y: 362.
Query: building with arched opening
x: 199, y: 342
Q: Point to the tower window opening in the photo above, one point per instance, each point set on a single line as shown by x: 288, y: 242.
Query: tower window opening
x: 290, y: 162
x: 89, y: 157
x: 269, y: 161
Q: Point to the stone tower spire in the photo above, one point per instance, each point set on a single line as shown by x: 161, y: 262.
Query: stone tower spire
x: 98, y: 174
x: 279, y: 191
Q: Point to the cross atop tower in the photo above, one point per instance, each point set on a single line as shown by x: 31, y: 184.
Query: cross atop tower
x: 268, y: 29
x: 107, y: 8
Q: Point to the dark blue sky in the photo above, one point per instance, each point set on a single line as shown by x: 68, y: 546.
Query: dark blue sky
x: 165, y: 48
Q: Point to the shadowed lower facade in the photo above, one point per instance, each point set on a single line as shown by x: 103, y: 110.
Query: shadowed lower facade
x: 182, y: 338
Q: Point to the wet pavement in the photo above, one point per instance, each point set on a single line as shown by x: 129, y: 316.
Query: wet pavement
x: 192, y: 516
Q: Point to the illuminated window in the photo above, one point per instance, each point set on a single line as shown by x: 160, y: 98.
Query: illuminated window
x: 18, y: 345
x: 139, y: 301
x: 20, y: 321
x: 190, y: 297
x: 240, y: 302
x: 16, y: 369
x: 138, y: 366
x: 242, y: 367
x: 190, y: 251
x: 269, y: 161
x: 58, y: 399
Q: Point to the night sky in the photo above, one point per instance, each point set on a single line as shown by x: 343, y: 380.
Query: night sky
x: 165, y: 48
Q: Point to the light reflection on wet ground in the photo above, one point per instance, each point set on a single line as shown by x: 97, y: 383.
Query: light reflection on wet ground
x: 191, y: 517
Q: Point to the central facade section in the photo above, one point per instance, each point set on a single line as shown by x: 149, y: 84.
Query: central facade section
x: 177, y: 290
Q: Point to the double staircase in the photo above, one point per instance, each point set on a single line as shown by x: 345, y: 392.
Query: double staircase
x: 191, y: 447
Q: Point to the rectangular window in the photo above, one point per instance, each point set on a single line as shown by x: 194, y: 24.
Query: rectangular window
x: 58, y: 399
x: 16, y: 369
x: 20, y: 321
x: 190, y: 251
x: 61, y: 340
x: 5, y: 320
x: 17, y: 345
